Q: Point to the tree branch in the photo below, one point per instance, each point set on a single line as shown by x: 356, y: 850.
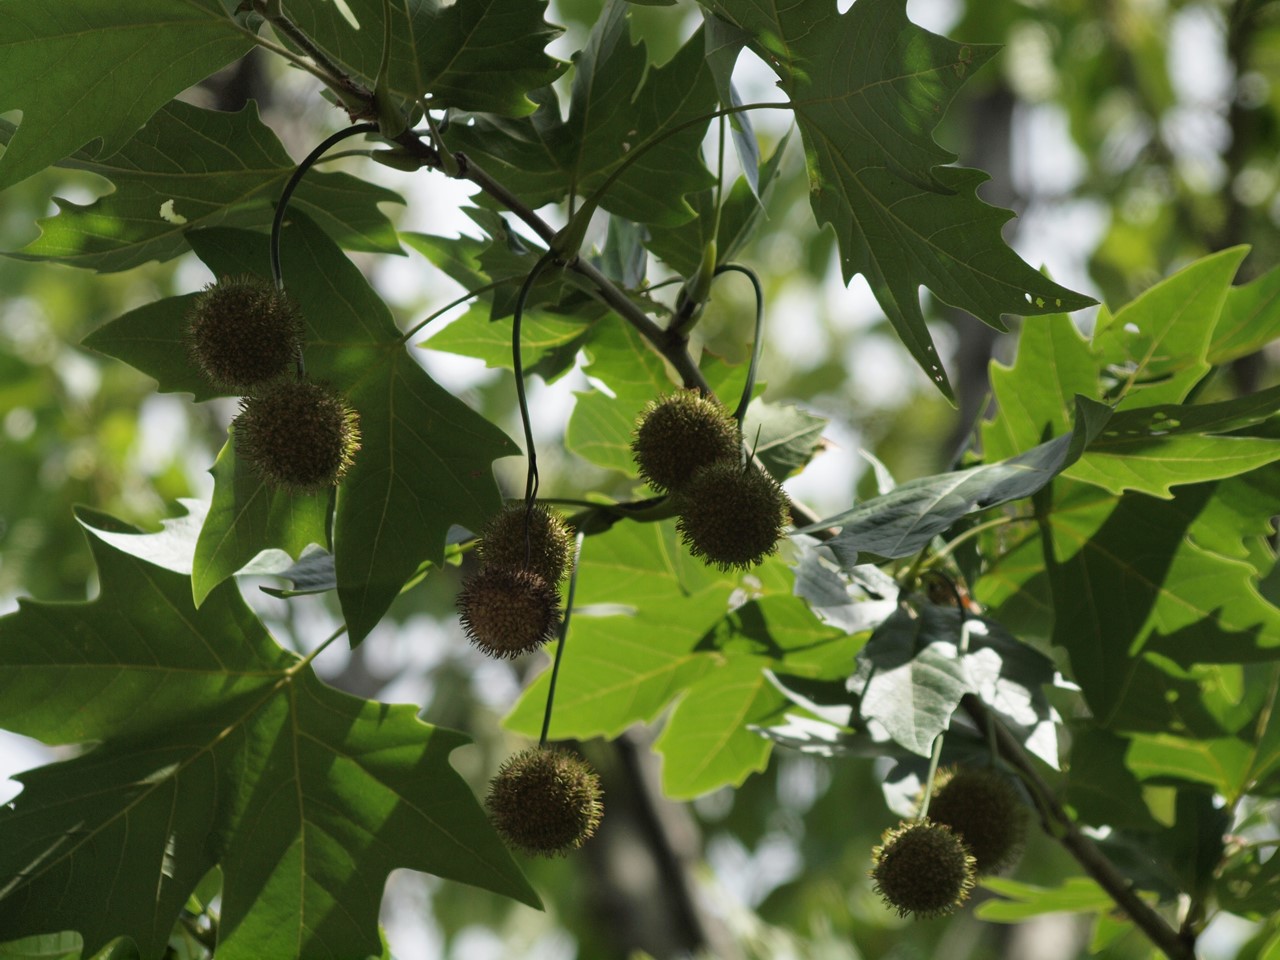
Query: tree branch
x: 1059, y: 824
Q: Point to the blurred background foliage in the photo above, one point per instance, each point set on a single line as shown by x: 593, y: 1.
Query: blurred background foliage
x: 1131, y: 137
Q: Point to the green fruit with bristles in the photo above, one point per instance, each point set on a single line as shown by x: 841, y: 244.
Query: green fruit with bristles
x: 731, y: 515
x: 506, y: 611
x: 922, y: 868
x: 545, y: 802
x: 548, y: 545
x: 985, y: 809
x: 298, y: 435
x: 242, y: 332
x: 680, y: 433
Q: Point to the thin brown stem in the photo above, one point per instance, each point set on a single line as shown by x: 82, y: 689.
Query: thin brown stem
x: 1060, y: 825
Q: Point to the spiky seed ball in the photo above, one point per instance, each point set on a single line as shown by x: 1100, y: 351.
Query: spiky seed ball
x: 298, y: 434
x: 679, y: 433
x: 545, y: 802
x: 983, y: 807
x: 922, y: 867
x: 731, y: 515
x: 242, y: 332
x: 507, y: 611
x: 502, y: 542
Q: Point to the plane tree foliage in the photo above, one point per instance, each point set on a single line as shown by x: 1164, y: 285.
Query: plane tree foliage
x: 1085, y: 599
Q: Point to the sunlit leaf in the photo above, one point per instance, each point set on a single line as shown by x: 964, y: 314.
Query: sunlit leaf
x: 1158, y: 344
x: 902, y: 521
x: 601, y: 426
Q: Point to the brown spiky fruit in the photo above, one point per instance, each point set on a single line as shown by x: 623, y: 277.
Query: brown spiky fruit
x: 299, y: 435
x: 984, y: 807
x: 922, y: 868
x: 545, y: 802
x: 503, y: 542
x: 506, y: 611
x: 731, y: 515
x: 679, y: 433
x: 242, y: 332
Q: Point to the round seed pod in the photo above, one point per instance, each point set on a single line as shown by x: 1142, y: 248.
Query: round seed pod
x: 984, y: 808
x: 922, y: 868
x: 242, y: 332
x: 298, y: 434
x: 679, y: 433
x: 502, y: 542
x: 545, y: 802
x: 731, y: 515
x: 507, y: 611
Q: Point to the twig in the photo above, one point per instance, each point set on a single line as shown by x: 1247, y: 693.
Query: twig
x: 1059, y: 824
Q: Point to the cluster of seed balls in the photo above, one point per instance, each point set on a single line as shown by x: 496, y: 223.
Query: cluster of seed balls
x: 298, y: 434
x: 542, y: 801
x: 975, y: 826
x: 730, y: 514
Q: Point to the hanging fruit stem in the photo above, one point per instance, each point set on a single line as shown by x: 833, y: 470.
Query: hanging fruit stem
x: 564, y: 636
x: 282, y: 205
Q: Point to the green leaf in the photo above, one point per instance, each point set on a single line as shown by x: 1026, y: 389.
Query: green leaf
x: 159, y: 195
x: 482, y: 55
x: 706, y: 744
x: 152, y: 51
x: 549, y: 343
x: 1024, y: 900
x: 1101, y: 789
x: 1142, y: 599
x: 49, y: 946
x: 1248, y: 886
x: 1035, y: 394
x: 601, y: 426
x: 1159, y: 343
x: 741, y: 214
x: 1222, y: 763
x: 904, y: 520
x: 784, y: 437
x: 1249, y: 321
x: 247, y: 517
x: 215, y: 747
x: 1151, y: 449
x: 617, y: 105
x: 425, y: 460
x: 867, y: 88
x: 912, y: 679
x: 623, y: 668
x: 151, y: 338
x: 650, y: 626
x: 172, y: 547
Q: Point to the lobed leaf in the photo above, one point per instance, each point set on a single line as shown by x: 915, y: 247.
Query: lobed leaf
x: 901, y: 522
x: 425, y: 460
x: 154, y: 50
x: 676, y: 639
x: 617, y: 104
x: 867, y: 88
x: 1159, y: 343
x: 247, y: 517
x: 189, y: 168
x: 482, y: 55
x: 215, y: 748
